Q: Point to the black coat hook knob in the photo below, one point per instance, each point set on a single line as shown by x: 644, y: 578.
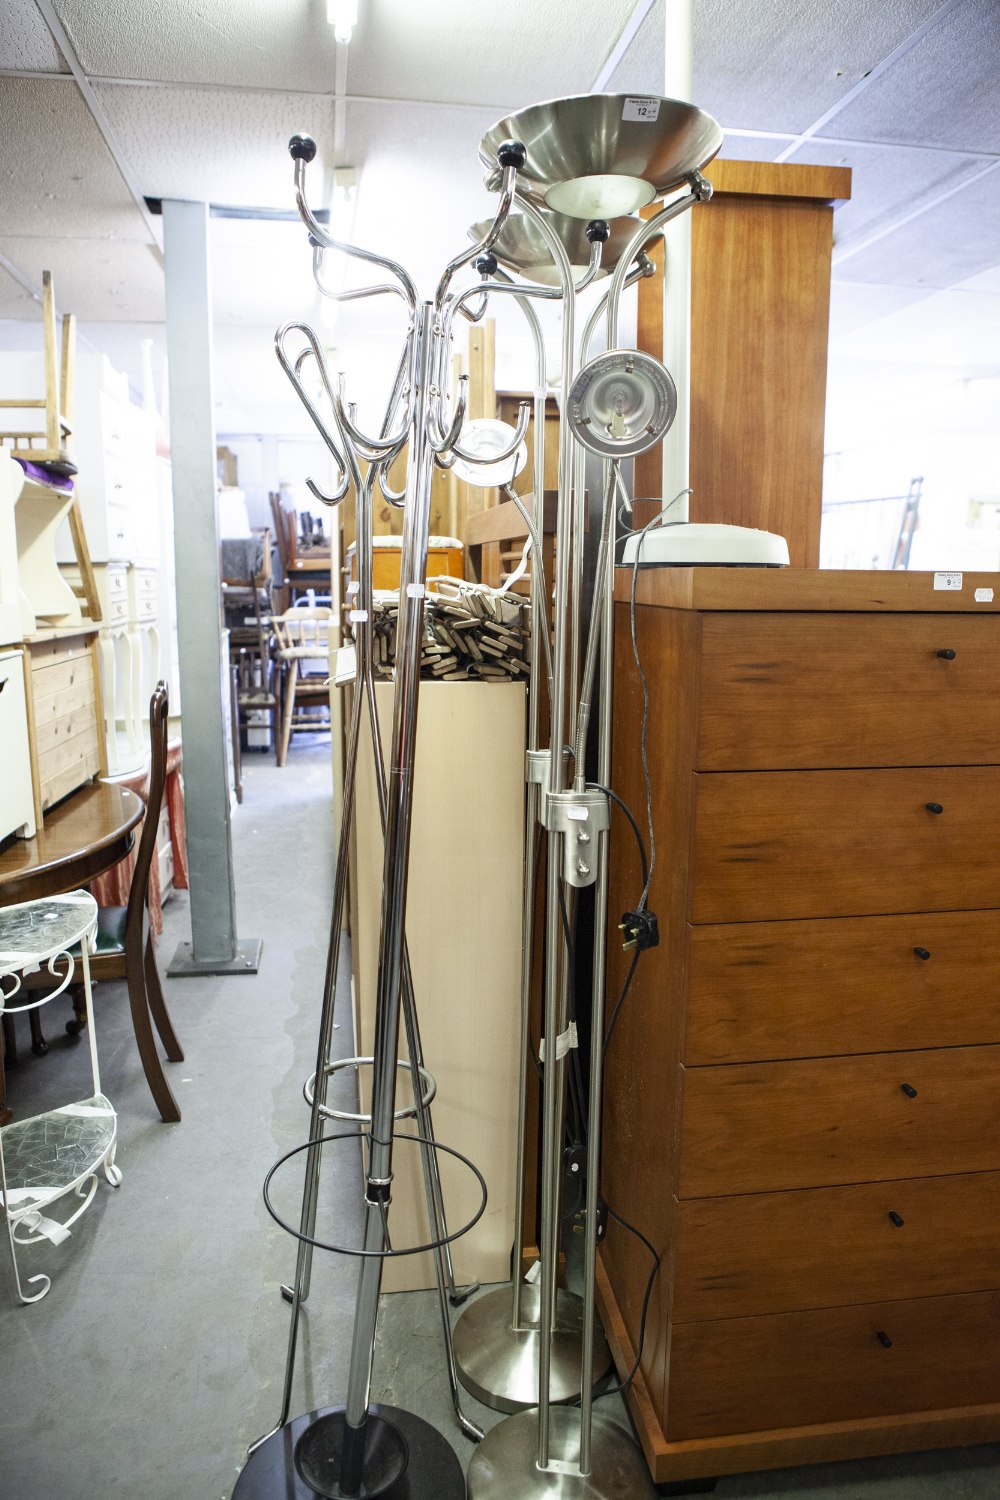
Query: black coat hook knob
x: 512, y: 154
x: 302, y: 147
x: 908, y: 1090
x: 922, y: 953
x: 884, y: 1339
x: 947, y: 654
x: 896, y: 1219
x: 934, y: 807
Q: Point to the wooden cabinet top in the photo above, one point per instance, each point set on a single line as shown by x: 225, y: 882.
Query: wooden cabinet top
x: 771, y: 179
x: 809, y: 589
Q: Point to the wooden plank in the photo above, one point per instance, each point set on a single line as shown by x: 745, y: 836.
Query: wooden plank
x: 763, y: 1253
x: 99, y: 718
x: 69, y: 766
x: 766, y: 990
x: 62, y: 677
x: 86, y: 567
x: 58, y: 729
x: 503, y: 522
x: 78, y: 748
x: 821, y: 1122
x: 807, y: 589
x: 826, y: 1442
x: 53, y: 707
x: 824, y: 690
x: 828, y: 185
x: 751, y: 1374
x: 771, y: 845
x: 53, y: 437
x: 29, y: 703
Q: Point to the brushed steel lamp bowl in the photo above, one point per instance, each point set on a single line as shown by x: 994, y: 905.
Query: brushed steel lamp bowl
x: 522, y: 246
x: 599, y: 156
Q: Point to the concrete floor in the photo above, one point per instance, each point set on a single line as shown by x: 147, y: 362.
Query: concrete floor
x: 159, y: 1352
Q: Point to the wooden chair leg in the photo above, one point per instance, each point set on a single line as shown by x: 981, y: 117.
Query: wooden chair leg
x: 145, y: 1041
x: 9, y: 1041
x: 39, y: 1045
x: 79, y: 1021
x: 158, y: 1006
x: 289, y: 708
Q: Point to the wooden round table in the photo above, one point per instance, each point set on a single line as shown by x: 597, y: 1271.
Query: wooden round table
x: 82, y: 837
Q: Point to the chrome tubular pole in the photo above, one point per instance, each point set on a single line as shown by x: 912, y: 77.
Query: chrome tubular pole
x: 554, y: 1066
x: 397, y: 847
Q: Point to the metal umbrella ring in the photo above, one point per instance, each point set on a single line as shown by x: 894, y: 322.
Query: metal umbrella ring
x: 408, y: 1112
x: 355, y: 1135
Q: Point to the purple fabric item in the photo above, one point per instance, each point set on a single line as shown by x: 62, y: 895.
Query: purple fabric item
x: 42, y: 474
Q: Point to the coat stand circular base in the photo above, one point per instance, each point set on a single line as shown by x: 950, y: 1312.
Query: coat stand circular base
x: 310, y: 1443
x: 499, y: 1364
x: 506, y: 1462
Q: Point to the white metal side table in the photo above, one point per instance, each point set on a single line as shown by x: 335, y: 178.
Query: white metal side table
x: 58, y: 1153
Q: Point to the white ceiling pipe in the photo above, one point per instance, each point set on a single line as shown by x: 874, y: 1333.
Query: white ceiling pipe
x: 678, y: 83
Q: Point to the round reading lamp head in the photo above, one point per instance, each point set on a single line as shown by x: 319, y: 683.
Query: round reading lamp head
x: 622, y: 403
x: 486, y: 437
x: 599, y: 156
x: 522, y: 247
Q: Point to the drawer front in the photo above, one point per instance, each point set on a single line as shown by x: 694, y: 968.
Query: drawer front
x: 787, y: 690
x: 119, y: 530
x: 63, y: 694
x: 766, y: 1127
x: 758, y: 991
x: 763, y: 1253
x: 114, y: 426
x: 117, y: 582
x: 794, y: 1369
x: 777, y: 844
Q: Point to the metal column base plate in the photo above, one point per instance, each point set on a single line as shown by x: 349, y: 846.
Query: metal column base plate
x: 505, y: 1464
x: 432, y: 1472
x: 500, y: 1367
x: 246, y: 960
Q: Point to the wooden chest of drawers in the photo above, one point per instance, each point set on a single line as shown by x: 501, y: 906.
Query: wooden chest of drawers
x: 801, y: 1105
x: 65, y: 721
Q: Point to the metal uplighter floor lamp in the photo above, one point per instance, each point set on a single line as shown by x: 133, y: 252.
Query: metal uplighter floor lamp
x: 591, y: 158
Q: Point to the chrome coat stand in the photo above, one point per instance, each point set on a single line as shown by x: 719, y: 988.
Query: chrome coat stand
x: 361, y: 1449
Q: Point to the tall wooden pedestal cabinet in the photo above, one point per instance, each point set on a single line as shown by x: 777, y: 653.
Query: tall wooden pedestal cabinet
x: 802, y: 1103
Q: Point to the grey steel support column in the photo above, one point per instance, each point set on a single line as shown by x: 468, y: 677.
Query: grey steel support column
x: 214, y: 946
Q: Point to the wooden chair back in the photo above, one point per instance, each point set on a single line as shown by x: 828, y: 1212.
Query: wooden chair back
x: 49, y: 444
x: 158, y: 730
x: 303, y: 631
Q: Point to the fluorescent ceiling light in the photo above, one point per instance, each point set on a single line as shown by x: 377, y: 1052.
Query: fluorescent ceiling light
x: 343, y: 17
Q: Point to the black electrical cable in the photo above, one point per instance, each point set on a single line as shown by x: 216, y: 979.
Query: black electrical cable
x: 621, y: 803
x: 624, y: 1384
x: 622, y: 998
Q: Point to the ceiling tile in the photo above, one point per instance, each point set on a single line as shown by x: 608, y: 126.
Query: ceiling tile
x: 18, y: 304
x: 25, y: 40
x: 782, y: 65
x: 104, y: 280
x: 506, y: 57
x: 854, y: 304
x: 58, y: 177
x: 214, y: 145
x: 955, y: 240
x: 944, y: 92
x: 887, y: 181
x: 285, y: 44
x: 642, y: 69
x: 957, y: 329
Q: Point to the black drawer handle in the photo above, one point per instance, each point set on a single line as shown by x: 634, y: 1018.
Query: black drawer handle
x: 922, y: 953
x: 947, y: 654
x: 934, y: 807
x: 908, y: 1090
x: 884, y: 1339
x: 896, y: 1219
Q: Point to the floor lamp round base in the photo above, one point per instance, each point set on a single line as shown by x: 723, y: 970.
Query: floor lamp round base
x: 431, y: 1472
x: 500, y: 1367
x: 506, y: 1461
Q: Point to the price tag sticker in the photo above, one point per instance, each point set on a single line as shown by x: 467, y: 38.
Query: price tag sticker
x: 578, y: 814
x: 415, y: 591
x: 948, y: 581
x: 984, y: 596
x: 643, y: 109
x: 353, y: 589
x: 358, y: 616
